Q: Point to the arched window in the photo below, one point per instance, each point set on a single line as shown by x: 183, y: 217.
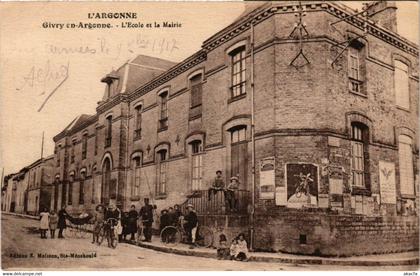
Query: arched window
x: 136, y: 175
x: 56, y: 183
x: 239, y: 153
x: 84, y: 145
x: 238, y: 78
x: 406, y: 167
x: 401, y: 84
x: 196, y: 90
x: 196, y: 165
x: 82, y: 187
x: 137, y: 130
x: 162, y: 156
x: 108, y: 138
x: 71, y: 180
x: 360, y: 155
x: 93, y: 185
x: 106, y: 180
x: 356, y: 66
x: 163, y: 119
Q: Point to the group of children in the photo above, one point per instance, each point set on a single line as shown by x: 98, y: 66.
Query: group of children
x: 238, y: 249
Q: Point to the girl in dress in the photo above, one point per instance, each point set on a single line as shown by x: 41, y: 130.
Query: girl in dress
x: 44, y: 216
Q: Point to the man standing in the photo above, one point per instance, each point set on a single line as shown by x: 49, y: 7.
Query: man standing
x: 132, y: 221
x: 218, y: 184
x: 62, y: 221
x: 146, y: 214
x: 191, y: 224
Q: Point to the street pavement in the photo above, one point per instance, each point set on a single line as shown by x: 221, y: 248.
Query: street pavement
x: 20, y: 238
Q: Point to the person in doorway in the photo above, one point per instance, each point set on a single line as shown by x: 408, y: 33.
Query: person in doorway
x: 62, y: 214
x: 230, y: 197
x: 218, y: 185
x: 191, y: 224
x: 146, y: 215
x: 53, y: 223
x: 44, y: 223
x: 132, y: 222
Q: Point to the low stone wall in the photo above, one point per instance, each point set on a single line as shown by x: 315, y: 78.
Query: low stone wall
x: 328, y: 234
x: 229, y: 225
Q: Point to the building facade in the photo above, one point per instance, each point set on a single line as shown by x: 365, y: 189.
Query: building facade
x: 312, y: 107
x: 40, y: 179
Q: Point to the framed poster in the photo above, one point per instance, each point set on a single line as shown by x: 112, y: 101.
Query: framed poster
x: 387, y: 182
x: 302, y: 184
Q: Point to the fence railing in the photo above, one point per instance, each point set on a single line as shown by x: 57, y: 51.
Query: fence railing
x: 218, y: 204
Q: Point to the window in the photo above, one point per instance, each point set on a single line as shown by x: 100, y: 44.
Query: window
x: 359, y: 154
x: 108, y: 138
x: 238, y: 72
x: 96, y: 140
x: 84, y: 145
x: 136, y: 168
x: 196, y: 90
x: 406, y: 165
x: 239, y: 154
x: 197, y: 165
x: 402, y: 94
x: 93, y: 184
x: 106, y: 181
x: 70, y: 198
x: 72, y: 151
x: 238, y: 135
x: 356, y: 66
x: 163, y: 122
x: 162, y: 157
x: 82, y: 188
x: 137, y: 130
x: 58, y: 155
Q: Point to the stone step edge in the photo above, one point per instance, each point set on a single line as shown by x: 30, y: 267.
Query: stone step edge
x: 413, y: 261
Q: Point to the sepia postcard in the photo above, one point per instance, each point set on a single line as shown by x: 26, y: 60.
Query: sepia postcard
x: 209, y: 135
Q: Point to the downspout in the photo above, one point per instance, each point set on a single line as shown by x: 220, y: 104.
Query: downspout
x: 252, y: 141
x: 127, y: 136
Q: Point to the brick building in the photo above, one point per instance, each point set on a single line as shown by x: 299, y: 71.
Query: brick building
x: 322, y: 103
x: 39, y: 185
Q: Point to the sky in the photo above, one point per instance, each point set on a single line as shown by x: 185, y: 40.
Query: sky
x: 34, y: 60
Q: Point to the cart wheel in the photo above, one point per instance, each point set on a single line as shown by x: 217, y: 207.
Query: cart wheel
x: 170, y: 235
x: 204, y: 236
x: 82, y: 231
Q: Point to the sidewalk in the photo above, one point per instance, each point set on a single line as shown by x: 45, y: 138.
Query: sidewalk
x: 394, y: 259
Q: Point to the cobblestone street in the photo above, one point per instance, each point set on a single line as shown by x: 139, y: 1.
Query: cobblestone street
x: 20, y: 237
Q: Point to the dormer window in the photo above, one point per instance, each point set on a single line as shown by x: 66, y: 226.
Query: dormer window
x: 112, y: 81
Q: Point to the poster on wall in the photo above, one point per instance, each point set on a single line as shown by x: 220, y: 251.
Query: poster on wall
x: 302, y: 185
x: 387, y: 182
x: 267, y: 178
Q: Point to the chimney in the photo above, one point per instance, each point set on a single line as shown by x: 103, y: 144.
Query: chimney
x: 383, y: 13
